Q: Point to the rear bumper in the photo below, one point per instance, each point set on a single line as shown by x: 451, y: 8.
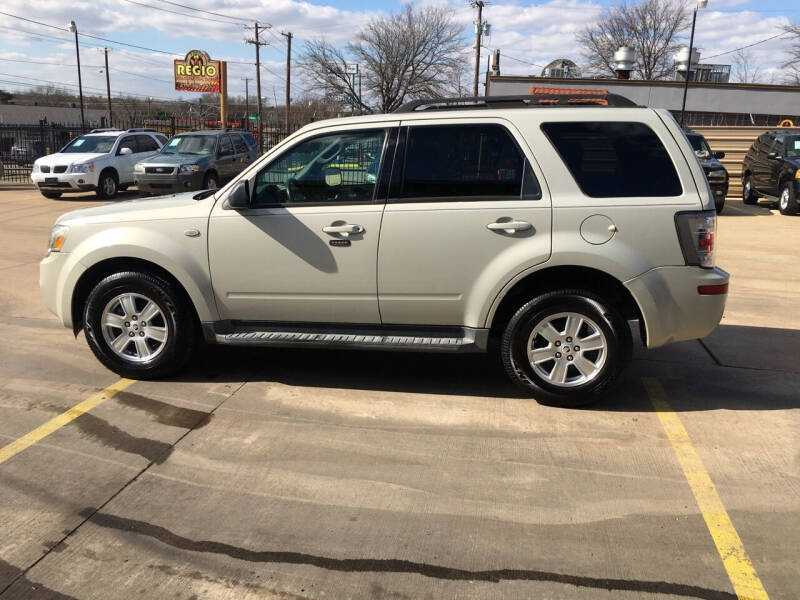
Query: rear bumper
x: 672, y: 308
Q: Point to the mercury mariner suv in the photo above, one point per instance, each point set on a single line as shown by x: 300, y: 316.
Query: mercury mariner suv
x: 536, y: 227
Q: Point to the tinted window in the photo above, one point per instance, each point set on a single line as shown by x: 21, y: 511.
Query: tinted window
x: 162, y: 139
x: 699, y: 143
x: 239, y: 146
x: 778, y: 146
x: 225, y: 146
x: 462, y: 161
x: 146, y: 143
x: 338, y: 168
x: 792, y: 146
x: 248, y: 138
x: 615, y: 160
x: 128, y: 142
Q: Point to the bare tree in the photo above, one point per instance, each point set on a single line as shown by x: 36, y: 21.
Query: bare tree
x: 414, y: 53
x: 650, y: 27
x: 745, y: 68
x: 792, y: 76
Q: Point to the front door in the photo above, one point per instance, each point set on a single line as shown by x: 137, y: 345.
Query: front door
x: 306, y: 249
x: 466, y: 208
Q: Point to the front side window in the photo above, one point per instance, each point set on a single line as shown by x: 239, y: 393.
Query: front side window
x: 778, y: 147
x: 463, y: 161
x: 98, y: 144
x: 225, y: 146
x: 336, y: 168
x: 128, y: 142
x: 191, y: 144
x: 615, y: 159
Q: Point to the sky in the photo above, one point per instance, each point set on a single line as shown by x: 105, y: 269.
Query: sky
x: 528, y: 34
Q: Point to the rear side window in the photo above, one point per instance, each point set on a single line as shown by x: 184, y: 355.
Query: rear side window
x: 248, y: 138
x: 462, y: 161
x: 146, y: 143
x: 615, y: 159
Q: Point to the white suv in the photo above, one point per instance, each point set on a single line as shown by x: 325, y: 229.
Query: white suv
x: 513, y: 225
x: 100, y: 161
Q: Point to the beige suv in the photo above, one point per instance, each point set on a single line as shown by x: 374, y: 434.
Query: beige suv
x: 534, y: 226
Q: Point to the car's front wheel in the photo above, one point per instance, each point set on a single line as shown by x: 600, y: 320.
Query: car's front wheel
x: 787, y: 203
x: 138, y: 325
x: 107, y: 185
x: 566, y: 347
x: 748, y: 194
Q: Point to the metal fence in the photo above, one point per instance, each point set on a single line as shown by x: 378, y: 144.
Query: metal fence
x: 20, y: 145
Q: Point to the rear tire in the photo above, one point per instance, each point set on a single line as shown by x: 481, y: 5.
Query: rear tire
x: 748, y: 195
x: 107, y: 185
x: 52, y: 195
x: 787, y: 203
x: 139, y: 326
x: 541, y: 348
x: 720, y: 205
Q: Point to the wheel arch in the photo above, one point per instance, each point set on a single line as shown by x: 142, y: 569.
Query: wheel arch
x: 593, y: 280
x: 111, y: 169
x: 97, y: 272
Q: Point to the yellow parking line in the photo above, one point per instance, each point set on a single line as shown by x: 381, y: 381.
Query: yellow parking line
x: 740, y: 568
x: 29, y: 439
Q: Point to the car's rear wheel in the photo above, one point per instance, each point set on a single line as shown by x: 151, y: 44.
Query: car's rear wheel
x: 719, y: 205
x: 138, y: 325
x: 52, y: 195
x: 107, y: 185
x: 567, y: 347
x: 748, y: 194
x: 787, y: 203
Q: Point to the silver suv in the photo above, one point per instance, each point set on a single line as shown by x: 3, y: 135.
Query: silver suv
x: 536, y: 227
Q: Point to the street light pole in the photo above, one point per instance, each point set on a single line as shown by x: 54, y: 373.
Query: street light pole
x: 700, y: 4
x: 74, y: 29
x: 108, y: 86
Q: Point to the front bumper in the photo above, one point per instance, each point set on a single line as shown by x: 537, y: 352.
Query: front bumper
x: 168, y: 184
x: 719, y: 190
x: 58, y: 275
x: 64, y: 182
x: 672, y: 308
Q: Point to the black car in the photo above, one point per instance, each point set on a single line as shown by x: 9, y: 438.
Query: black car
x: 197, y: 160
x: 716, y: 173
x: 771, y: 170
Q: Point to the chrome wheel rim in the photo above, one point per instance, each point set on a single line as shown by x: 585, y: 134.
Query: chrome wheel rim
x: 785, y: 199
x: 134, y: 327
x: 746, y: 193
x: 567, y: 349
x: 109, y: 187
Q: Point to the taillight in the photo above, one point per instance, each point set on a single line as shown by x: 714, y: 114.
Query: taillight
x: 696, y: 235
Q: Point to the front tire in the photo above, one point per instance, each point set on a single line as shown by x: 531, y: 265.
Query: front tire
x: 138, y: 325
x: 107, y: 185
x: 787, y: 203
x: 748, y: 194
x: 566, y: 348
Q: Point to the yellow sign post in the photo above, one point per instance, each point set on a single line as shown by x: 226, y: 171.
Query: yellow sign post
x: 198, y: 73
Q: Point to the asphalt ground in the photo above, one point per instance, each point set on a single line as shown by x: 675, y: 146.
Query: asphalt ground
x: 314, y: 474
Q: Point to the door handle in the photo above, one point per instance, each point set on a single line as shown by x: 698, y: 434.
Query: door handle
x: 346, y: 229
x: 509, y: 226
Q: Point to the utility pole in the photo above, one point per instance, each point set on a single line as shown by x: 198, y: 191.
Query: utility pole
x: 256, y: 41
x: 108, y: 86
x: 288, y: 35
x: 479, y: 4
x: 74, y: 29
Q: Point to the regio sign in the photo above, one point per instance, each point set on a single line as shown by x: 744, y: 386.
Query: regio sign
x: 197, y: 73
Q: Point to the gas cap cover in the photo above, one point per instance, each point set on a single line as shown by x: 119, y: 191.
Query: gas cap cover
x: 598, y: 229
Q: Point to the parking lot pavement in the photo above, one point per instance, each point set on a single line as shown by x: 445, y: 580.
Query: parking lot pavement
x: 312, y: 474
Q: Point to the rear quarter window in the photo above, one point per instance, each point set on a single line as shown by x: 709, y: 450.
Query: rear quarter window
x: 615, y: 159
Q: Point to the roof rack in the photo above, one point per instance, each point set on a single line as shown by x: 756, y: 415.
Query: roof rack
x: 539, y: 97
x: 141, y: 129
x: 103, y: 129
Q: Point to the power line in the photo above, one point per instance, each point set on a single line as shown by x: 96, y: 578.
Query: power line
x: 744, y: 47
x: 62, y: 83
x: 208, y: 12
x: 183, y: 14
x: 53, y: 64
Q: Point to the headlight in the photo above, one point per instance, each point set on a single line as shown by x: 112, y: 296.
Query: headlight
x: 58, y: 235
x: 189, y: 169
x: 717, y: 174
x: 83, y: 168
x: 138, y: 168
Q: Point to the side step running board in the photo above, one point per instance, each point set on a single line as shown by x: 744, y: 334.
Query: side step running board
x: 450, y: 339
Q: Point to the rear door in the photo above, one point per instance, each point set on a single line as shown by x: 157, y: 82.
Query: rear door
x: 465, y: 211
x: 761, y: 162
x: 125, y: 162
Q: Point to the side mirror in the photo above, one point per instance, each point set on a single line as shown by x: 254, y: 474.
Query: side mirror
x: 239, y: 198
x: 718, y: 154
x: 125, y: 151
x: 773, y: 156
x: 333, y: 177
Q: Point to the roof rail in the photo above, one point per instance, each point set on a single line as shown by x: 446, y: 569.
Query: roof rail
x: 142, y: 129
x: 102, y: 129
x: 540, y: 97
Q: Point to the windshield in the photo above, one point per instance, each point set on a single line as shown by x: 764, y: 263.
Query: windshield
x: 792, y: 145
x: 98, y: 144
x: 190, y: 144
x: 699, y: 143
